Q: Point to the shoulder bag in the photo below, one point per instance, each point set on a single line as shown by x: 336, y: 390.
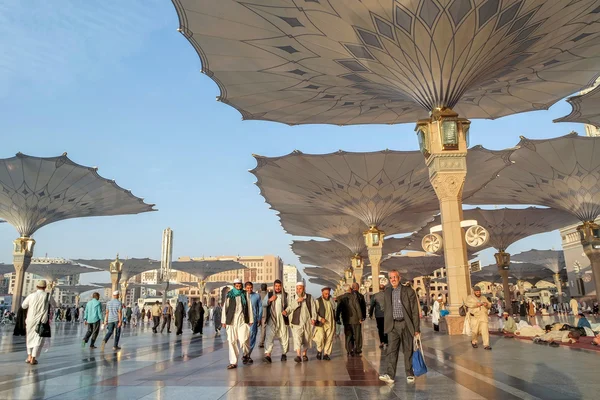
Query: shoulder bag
x: 43, y: 328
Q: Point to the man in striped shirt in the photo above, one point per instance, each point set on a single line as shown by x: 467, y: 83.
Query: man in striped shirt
x: 113, y: 320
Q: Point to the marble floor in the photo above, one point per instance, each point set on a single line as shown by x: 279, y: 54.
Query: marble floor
x: 163, y: 366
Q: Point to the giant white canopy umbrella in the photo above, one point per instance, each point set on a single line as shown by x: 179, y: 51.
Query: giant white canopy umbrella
x: 586, y: 107
x: 554, y: 260
x: 364, y: 62
x: 562, y: 173
x: 54, y: 269
x: 37, y: 191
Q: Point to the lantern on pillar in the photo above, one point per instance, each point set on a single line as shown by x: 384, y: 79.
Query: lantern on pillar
x: 374, y: 243
x: 502, y: 260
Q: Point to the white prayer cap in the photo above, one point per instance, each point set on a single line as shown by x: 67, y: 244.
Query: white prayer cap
x: 299, y: 283
x: 440, y: 297
x: 237, y: 280
x: 116, y: 293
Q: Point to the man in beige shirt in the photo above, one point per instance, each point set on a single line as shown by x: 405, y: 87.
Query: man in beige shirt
x: 478, y: 313
x: 156, y: 311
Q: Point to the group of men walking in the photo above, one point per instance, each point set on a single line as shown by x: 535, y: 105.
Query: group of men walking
x: 309, y: 319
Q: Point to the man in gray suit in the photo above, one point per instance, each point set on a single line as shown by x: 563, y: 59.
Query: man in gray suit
x: 349, y: 312
x: 402, y: 325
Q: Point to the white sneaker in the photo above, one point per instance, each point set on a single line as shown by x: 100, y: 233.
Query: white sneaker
x: 386, y: 378
x: 410, y: 379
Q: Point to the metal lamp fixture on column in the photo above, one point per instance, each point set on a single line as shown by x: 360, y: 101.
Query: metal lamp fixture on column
x: 374, y: 241
x: 22, y: 253
x: 201, y: 287
x: 503, y: 263
x: 357, y: 267
x: 348, y: 276
x: 443, y: 140
x: 590, y: 240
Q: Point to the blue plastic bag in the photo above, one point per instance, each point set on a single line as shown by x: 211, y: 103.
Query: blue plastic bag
x: 443, y: 313
x: 418, y: 362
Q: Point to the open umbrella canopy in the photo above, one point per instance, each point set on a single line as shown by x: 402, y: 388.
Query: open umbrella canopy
x: 562, y: 173
x: 205, y: 268
x: 360, y: 62
x: 586, y: 107
x: 158, y: 286
x: 78, y: 289
x: 527, y: 272
x: 323, y: 282
x: 53, y: 270
x: 6, y: 269
x: 413, y: 264
x: 554, y: 260
x: 325, y: 273
x: 489, y: 274
x: 385, y: 187
x: 38, y: 191
x: 130, y: 268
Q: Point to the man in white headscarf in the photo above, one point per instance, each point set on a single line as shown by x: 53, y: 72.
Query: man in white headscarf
x: 302, y: 318
x: 237, y: 318
x: 36, y: 305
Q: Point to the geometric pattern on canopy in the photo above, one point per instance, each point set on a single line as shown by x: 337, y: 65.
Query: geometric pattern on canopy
x: 348, y: 230
x: 562, y: 173
x: 369, y: 186
x: 586, y: 108
x: 131, y: 266
x: 362, y: 62
x: 37, y: 191
x: 554, y: 260
x: 57, y: 270
x: 327, y: 254
x: 413, y: 264
x: 205, y: 268
x: 507, y: 225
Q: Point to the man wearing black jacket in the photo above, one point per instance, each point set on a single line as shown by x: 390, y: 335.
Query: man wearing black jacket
x: 349, y: 312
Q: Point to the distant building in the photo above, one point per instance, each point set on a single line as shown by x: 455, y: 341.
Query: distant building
x: 60, y: 296
x: 437, y: 285
x: 580, y: 280
x: 291, y: 276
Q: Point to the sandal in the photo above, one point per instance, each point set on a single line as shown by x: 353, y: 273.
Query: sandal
x: 27, y: 361
x: 474, y: 345
x: 231, y: 366
x: 34, y: 362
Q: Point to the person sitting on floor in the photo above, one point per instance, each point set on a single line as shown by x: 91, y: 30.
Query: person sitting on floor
x: 583, y: 322
x: 509, y: 324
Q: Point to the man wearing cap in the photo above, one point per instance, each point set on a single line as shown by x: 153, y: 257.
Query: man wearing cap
x: 113, y: 321
x: 257, y: 311
x: 276, y: 322
x: 435, y: 313
x: 302, y: 312
x: 478, y: 313
x: 324, y: 325
x: 237, y: 318
x: 36, y: 305
x: 510, y: 326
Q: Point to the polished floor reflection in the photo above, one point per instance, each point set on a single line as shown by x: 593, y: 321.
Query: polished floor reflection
x: 190, y: 367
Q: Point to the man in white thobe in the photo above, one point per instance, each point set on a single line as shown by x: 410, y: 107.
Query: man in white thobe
x: 236, y: 319
x: 276, y: 323
x: 37, y: 311
x: 324, y: 325
x: 435, y: 313
x: 302, y: 318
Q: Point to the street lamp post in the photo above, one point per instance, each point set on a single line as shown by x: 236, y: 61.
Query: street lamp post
x: 116, y: 269
x: 374, y: 241
x: 590, y: 240
x: 443, y: 140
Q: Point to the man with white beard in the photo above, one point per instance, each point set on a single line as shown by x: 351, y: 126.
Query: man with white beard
x: 236, y: 319
x: 276, y: 323
x: 302, y: 312
x: 324, y: 324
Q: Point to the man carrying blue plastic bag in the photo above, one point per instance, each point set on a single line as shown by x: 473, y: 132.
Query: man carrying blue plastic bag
x: 402, y: 325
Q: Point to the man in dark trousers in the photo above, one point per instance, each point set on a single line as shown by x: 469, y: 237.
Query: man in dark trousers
x: 349, y: 312
x: 376, y: 311
x: 402, y: 325
x: 363, y: 314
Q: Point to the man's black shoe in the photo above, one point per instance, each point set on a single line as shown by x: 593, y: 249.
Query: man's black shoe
x: 319, y: 355
x: 267, y: 359
x: 283, y: 357
x: 326, y: 358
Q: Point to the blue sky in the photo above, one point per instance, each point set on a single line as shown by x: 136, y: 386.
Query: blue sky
x: 116, y: 86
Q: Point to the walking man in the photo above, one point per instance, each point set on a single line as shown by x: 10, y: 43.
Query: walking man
x: 167, y: 313
x: 276, y: 323
x: 302, y: 313
x: 217, y: 315
x: 257, y: 311
x: 36, y: 305
x: 92, y: 317
x: 156, y: 316
x: 376, y: 311
x: 237, y: 319
x: 135, y: 315
x: 348, y: 311
x: 478, y: 309
x: 263, y: 324
x: 402, y: 325
x: 324, y: 325
x: 113, y: 320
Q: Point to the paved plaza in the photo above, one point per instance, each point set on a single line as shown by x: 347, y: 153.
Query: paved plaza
x: 191, y: 367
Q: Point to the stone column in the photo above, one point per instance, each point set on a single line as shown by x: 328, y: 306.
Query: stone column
x: 358, y: 273
x: 590, y: 240
x: 124, y: 286
x: 521, y: 286
x: 77, y: 298
x: 22, y: 253
x: 374, y: 241
x: 427, y: 284
x: 201, y: 288
x: 503, y: 263
x: 116, y: 268
x: 558, y: 284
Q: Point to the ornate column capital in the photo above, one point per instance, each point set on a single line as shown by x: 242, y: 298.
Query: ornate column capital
x: 22, y: 252
x: 448, y: 185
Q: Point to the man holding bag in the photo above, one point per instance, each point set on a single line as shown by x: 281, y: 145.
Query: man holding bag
x: 402, y: 325
x: 36, y: 305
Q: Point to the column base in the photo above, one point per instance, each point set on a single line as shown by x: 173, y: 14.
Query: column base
x: 453, y: 324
